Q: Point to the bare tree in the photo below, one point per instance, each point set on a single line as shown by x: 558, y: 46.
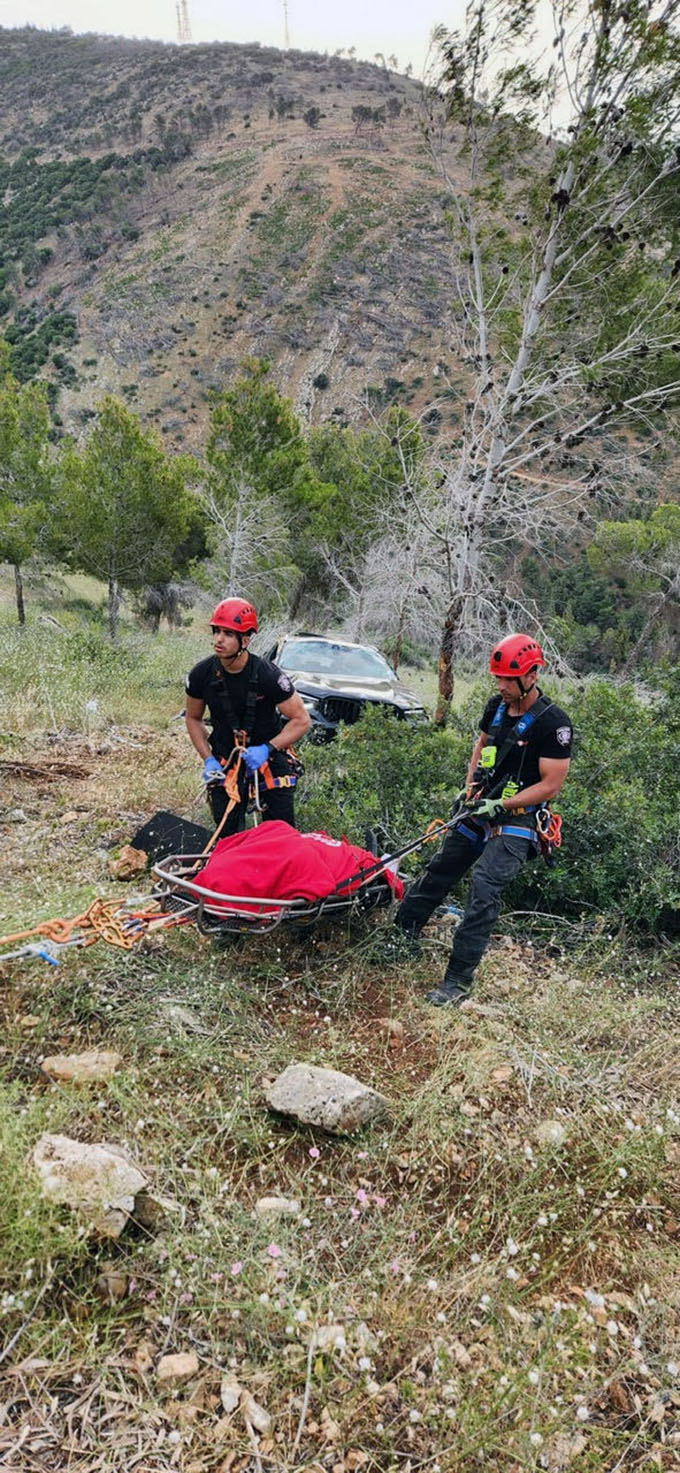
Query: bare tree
x: 565, y: 267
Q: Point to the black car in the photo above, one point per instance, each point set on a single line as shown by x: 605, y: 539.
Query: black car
x: 337, y: 681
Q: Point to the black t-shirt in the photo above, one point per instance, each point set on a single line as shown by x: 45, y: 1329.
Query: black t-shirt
x: 550, y: 735
x: 226, y: 697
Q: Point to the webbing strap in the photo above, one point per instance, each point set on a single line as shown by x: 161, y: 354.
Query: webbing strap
x: 517, y: 831
x: 223, y: 699
x: 521, y: 727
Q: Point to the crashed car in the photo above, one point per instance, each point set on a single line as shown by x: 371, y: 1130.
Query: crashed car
x: 337, y: 681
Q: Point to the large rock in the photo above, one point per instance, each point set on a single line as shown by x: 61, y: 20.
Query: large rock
x: 326, y: 1098
x: 277, y: 1207
x: 92, y: 1065
x: 99, y: 1181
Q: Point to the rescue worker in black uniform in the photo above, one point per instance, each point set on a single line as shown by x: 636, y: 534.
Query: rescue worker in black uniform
x: 244, y: 694
x: 524, y: 750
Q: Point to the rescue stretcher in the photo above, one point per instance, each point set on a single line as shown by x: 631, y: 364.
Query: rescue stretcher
x: 215, y: 913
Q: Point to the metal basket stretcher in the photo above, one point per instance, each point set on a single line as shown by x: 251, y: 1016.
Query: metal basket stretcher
x: 215, y: 913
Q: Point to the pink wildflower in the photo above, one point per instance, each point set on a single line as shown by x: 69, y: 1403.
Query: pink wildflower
x: 236, y: 1269
x: 274, y: 1251
x: 314, y: 1153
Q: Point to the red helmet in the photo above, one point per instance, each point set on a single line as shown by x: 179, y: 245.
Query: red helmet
x: 515, y: 656
x: 236, y: 614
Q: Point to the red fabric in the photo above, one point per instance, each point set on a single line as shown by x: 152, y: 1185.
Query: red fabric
x: 275, y: 861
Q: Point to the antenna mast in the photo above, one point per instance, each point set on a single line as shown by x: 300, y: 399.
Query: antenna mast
x: 183, y: 22
x: 286, y: 32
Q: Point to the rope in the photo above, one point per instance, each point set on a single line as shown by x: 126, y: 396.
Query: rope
x: 104, y: 920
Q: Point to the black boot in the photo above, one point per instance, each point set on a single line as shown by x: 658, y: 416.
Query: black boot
x: 450, y: 993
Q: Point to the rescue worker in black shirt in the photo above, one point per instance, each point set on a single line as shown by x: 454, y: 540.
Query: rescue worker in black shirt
x: 244, y: 694
x: 521, y: 760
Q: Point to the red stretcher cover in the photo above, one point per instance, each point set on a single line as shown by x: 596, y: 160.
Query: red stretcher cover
x: 276, y: 862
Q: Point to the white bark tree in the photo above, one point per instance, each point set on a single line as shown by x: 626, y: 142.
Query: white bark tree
x: 567, y: 277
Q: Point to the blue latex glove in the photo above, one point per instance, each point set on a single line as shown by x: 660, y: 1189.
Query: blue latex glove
x: 213, y: 771
x: 254, y: 757
x: 490, y: 809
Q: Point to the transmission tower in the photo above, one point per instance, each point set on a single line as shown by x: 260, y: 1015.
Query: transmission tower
x: 183, y: 22
x: 286, y: 32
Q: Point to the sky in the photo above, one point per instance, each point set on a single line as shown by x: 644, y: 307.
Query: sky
x: 394, y: 27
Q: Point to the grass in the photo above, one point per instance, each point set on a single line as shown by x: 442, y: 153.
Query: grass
x: 507, y: 1292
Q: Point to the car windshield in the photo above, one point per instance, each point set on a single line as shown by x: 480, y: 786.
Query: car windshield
x: 325, y: 657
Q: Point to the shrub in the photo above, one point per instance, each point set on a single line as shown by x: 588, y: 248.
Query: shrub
x: 620, y: 804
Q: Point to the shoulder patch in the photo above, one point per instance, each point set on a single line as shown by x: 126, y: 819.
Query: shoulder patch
x: 286, y: 685
x: 563, y: 734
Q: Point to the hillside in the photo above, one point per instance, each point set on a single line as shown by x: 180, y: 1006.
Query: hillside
x: 487, y: 1280
x: 168, y: 211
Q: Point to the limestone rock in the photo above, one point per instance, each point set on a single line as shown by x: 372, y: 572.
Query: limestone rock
x: 99, y: 1181
x: 85, y: 1068
x: 326, y: 1098
x: 277, y: 1207
x: 172, y: 1370
x: 230, y: 1393
x: 551, y: 1133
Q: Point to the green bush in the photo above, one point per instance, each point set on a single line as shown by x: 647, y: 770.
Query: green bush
x: 620, y: 806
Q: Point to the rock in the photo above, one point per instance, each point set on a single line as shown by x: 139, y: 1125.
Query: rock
x: 83, y: 1068
x: 461, y: 1355
x: 180, y: 1017
x: 230, y: 1393
x: 112, y: 1283
x: 326, y: 1098
x: 99, y: 1181
x: 172, y: 1370
x: 394, y: 1031
x: 551, y: 1133
x: 29, y: 1020
x: 130, y: 863
x: 277, y: 1207
x: 253, y: 1413
x: 143, y: 1358
x: 14, y: 815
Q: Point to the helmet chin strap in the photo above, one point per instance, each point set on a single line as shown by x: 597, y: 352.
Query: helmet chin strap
x: 525, y: 690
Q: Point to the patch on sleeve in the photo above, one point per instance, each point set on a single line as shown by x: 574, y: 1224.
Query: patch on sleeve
x: 285, y: 685
x: 563, y: 734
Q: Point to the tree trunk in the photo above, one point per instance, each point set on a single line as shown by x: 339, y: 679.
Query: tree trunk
x: 399, y: 641
x: 114, y: 606
x: 658, y: 607
x: 445, y: 664
x: 19, y: 589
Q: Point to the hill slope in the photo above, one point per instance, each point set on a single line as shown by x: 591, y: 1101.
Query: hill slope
x: 167, y: 211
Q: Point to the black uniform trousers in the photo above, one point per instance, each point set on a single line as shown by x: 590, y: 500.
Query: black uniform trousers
x: 276, y: 803
x: 496, y: 864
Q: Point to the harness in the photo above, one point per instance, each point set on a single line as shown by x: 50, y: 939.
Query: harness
x: 545, y: 831
x: 239, y: 790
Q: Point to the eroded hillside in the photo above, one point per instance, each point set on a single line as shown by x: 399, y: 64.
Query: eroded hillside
x: 168, y: 211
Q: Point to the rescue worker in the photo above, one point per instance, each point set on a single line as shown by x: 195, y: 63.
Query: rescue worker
x: 519, y: 763
x: 250, y: 697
